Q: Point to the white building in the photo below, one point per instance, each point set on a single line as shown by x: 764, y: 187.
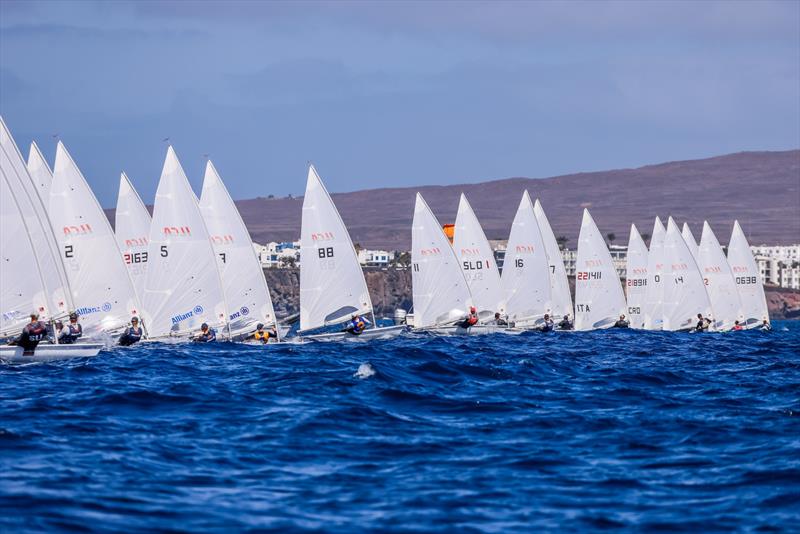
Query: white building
x: 779, y: 265
x: 375, y: 258
x: 278, y: 255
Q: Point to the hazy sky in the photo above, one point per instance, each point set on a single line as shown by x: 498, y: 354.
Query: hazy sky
x: 382, y: 93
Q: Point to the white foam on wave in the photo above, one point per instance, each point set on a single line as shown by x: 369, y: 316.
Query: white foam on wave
x: 365, y: 370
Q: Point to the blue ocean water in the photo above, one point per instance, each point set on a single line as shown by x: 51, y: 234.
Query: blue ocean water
x: 539, y: 432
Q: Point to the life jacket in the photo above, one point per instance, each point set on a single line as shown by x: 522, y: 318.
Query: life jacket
x: 358, y: 325
x: 134, y: 333
x: 261, y: 336
x: 472, y: 319
x: 737, y: 327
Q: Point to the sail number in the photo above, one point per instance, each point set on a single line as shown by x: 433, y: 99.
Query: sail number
x: 164, y: 251
x: 634, y: 310
x: 519, y: 263
x: 135, y: 257
x: 325, y: 252
x: 68, y: 251
x: 742, y: 280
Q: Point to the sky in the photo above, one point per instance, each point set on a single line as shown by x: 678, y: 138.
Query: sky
x: 386, y: 93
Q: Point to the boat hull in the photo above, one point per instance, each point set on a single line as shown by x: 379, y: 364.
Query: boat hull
x: 372, y: 333
x: 48, y: 353
x: 476, y: 330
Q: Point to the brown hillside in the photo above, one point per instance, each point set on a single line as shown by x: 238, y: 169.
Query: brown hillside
x: 761, y: 189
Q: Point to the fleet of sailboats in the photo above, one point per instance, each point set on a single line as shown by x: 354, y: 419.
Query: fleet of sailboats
x: 193, y: 262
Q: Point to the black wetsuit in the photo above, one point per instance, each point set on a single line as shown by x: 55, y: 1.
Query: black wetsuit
x: 702, y: 325
x: 130, y: 336
x: 70, y: 334
x: 31, y: 335
x: 207, y: 337
x: 565, y: 324
x: 621, y: 324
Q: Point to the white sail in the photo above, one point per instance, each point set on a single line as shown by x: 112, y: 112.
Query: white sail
x: 182, y: 285
x: 40, y: 173
x: 636, y: 278
x: 243, y: 281
x: 21, y: 284
x: 685, y: 292
x: 132, y: 229
x: 332, y: 285
x: 439, y: 290
x: 688, y: 237
x: 599, y: 300
x: 526, y: 269
x: 748, y: 279
x: 560, y: 297
x: 719, y: 280
x: 477, y: 261
x: 101, y: 287
x: 652, y: 307
x: 37, y: 222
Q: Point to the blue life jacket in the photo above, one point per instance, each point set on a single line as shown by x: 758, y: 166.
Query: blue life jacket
x: 70, y: 333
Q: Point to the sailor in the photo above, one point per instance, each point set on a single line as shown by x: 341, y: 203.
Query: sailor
x: 702, y: 323
x: 565, y: 323
x: 71, y: 332
x: 499, y: 321
x: 263, y: 335
x: 132, y: 334
x: 356, y: 325
x: 31, y: 335
x: 737, y: 326
x: 621, y: 322
x: 766, y: 326
x: 471, y: 319
x: 548, y: 325
x: 207, y: 335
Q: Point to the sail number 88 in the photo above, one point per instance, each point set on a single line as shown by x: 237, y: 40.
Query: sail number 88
x: 325, y: 252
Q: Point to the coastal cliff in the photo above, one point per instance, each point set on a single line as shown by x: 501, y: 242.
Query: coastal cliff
x: 391, y: 289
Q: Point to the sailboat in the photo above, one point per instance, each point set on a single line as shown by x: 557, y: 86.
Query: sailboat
x: 599, y: 300
x: 688, y: 237
x: 560, y: 296
x: 32, y: 279
x: 636, y: 277
x: 476, y: 258
x: 132, y: 230
x: 719, y: 281
x: 40, y: 173
x: 100, y: 284
x: 748, y: 279
x: 332, y: 284
x: 440, y: 293
x: 685, y: 292
x: 183, y: 287
x: 246, y: 292
x: 652, y: 306
x: 37, y: 223
x: 526, y: 270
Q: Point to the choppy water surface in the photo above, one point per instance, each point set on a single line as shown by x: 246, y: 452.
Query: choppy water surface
x: 495, y: 433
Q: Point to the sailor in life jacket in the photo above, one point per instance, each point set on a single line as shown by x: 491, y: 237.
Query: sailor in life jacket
x: 72, y: 331
x: 356, y: 325
x: 548, y: 325
x: 471, y: 319
x: 31, y: 335
x: 737, y: 326
x: 207, y: 335
x: 263, y: 335
x: 132, y: 334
